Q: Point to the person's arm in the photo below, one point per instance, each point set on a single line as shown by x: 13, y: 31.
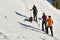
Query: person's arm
x: 36, y: 10
x: 46, y: 19
x: 40, y: 18
x: 31, y: 9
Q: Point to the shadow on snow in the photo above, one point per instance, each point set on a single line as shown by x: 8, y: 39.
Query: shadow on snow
x: 30, y: 27
x: 20, y: 14
x: 36, y: 30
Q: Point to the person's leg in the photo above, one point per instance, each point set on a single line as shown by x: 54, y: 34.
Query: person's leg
x: 34, y: 16
x: 51, y: 31
x: 42, y: 26
x: 45, y: 26
x: 47, y: 29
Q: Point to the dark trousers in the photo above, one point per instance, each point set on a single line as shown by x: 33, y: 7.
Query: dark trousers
x: 43, y: 24
x: 50, y: 30
x: 35, y: 17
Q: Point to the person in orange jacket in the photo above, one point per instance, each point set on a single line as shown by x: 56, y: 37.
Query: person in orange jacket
x: 49, y: 25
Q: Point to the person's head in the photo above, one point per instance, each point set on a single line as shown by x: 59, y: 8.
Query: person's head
x: 49, y: 16
x: 43, y: 13
x: 33, y: 5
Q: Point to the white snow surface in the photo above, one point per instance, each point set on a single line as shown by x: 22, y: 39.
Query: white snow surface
x: 14, y: 24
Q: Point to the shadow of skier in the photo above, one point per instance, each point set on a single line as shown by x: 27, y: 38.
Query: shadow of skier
x: 30, y: 28
x: 20, y: 14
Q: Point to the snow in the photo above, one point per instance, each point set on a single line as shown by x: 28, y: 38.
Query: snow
x: 15, y: 26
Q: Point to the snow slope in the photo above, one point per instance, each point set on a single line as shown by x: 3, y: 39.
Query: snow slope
x: 15, y: 26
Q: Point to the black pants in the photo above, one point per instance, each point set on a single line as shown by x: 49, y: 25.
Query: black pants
x: 43, y: 24
x: 50, y: 30
x: 35, y: 17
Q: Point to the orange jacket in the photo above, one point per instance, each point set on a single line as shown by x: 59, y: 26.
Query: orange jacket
x: 49, y: 22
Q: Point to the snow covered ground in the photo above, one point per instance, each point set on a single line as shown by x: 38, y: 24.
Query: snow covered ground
x: 15, y: 26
